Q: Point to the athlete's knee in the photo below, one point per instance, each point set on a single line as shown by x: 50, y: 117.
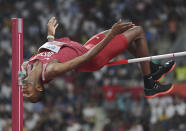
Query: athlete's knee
x: 139, y: 29
x: 134, y: 33
x: 140, y: 32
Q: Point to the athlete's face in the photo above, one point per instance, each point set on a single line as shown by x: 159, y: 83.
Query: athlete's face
x: 31, y: 92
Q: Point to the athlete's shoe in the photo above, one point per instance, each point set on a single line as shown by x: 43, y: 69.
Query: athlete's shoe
x: 158, y: 70
x: 153, y: 88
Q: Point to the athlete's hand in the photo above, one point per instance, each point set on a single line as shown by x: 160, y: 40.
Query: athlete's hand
x: 120, y: 27
x: 52, y: 25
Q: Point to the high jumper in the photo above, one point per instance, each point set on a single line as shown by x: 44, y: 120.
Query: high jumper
x: 56, y: 57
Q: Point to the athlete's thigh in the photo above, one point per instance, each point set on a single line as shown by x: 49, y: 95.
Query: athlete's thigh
x: 115, y: 47
x: 131, y: 34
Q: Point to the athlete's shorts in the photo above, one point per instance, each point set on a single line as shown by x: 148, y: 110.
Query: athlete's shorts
x: 115, y: 47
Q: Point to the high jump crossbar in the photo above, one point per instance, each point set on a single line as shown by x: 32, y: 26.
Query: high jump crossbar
x: 17, y: 59
x: 142, y: 59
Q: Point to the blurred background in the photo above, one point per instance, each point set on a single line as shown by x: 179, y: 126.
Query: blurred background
x: 111, y: 99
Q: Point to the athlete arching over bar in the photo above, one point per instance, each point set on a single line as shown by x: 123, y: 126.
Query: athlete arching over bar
x: 59, y: 56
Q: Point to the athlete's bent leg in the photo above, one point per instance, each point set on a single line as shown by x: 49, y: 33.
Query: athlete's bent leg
x: 137, y: 34
x: 132, y: 48
x: 138, y: 47
x: 158, y: 70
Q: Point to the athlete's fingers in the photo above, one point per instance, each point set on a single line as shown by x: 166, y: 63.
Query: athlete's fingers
x: 51, y: 20
x: 124, y: 28
x: 54, y: 22
x: 117, y: 23
x: 120, y: 25
x: 56, y: 26
x: 126, y: 25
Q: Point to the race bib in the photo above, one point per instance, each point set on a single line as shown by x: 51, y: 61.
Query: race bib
x: 52, y: 46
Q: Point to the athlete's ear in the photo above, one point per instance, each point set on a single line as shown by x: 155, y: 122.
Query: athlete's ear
x: 39, y: 88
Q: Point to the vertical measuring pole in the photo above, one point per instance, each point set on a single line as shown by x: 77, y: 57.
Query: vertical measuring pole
x: 17, y: 59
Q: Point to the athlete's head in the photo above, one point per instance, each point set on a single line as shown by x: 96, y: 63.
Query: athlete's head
x: 33, y: 91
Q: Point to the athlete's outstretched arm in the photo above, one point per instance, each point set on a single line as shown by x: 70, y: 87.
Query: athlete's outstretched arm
x: 56, y: 69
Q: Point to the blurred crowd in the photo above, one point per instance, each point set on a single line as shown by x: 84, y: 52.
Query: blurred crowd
x: 77, y: 101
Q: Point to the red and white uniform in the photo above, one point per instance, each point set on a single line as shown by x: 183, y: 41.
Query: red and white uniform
x: 64, y: 50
